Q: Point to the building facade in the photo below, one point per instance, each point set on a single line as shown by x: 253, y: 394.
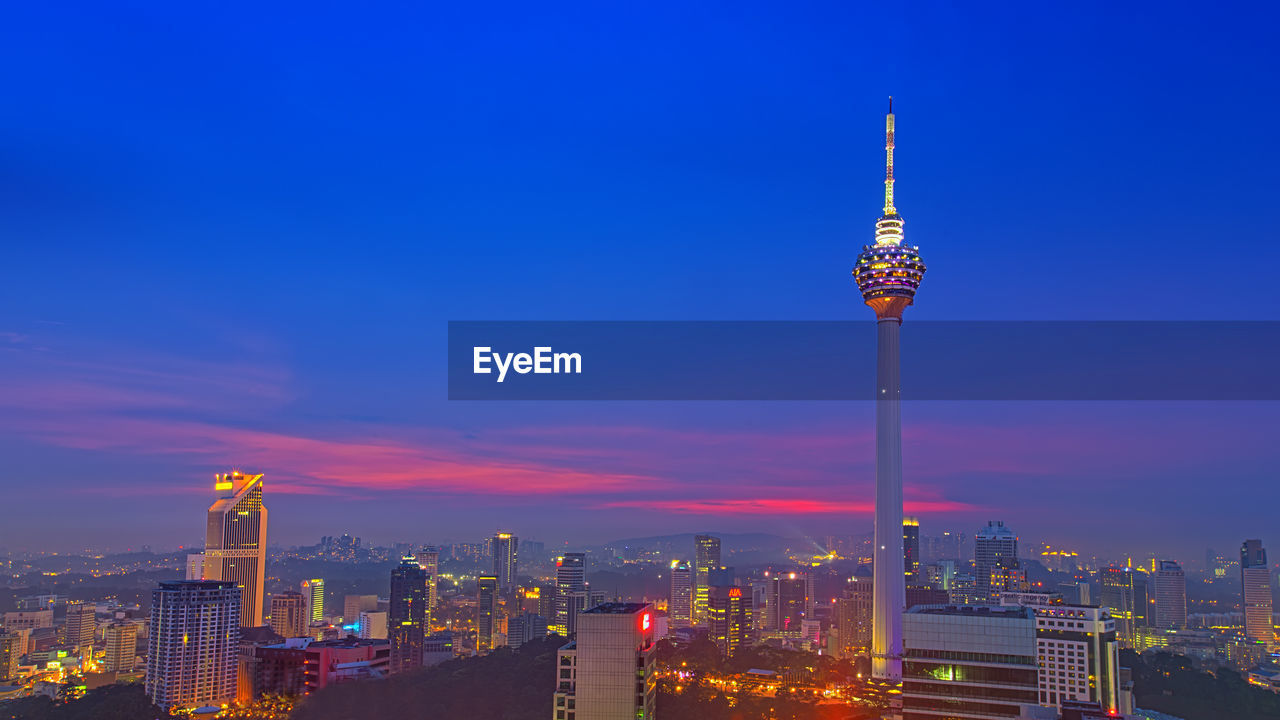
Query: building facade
x: 571, y: 592
x: 911, y: 549
x: 505, y: 561
x: 193, y: 643
x: 1124, y: 591
x: 313, y: 598
x: 680, y: 602
x: 990, y: 545
x: 1169, y: 587
x: 289, y: 616
x: 407, y: 615
x: 488, y: 588
x: 607, y: 673
x: 121, y: 647
x: 706, y: 558
x: 235, y: 548
x: 729, y: 617
x: 1255, y: 580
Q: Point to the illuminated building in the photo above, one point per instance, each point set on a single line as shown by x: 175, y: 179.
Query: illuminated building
x: 438, y: 648
x: 680, y: 604
x: 302, y: 665
x: 289, y: 615
x: 1007, y: 575
x: 313, y: 600
x: 973, y: 662
x: 371, y: 625
x: 1124, y: 591
x: 525, y: 627
x: 235, y: 547
x: 1077, y: 651
x: 121, y: 647
x: 888, y: 274
x: 911, y: 548
x: 729, y: 617
x: 706, y: 557
x: 10, y: 651
x: 1255, y: 579
x: 505, y: 554
x: 486, y: 612
x: 353, y: 605
x: 407, y: 615
x: 429, y: 559
x: 27, y: 619
x: 853, y: 614
x: 195, y: 566
x: 80, y: 626
x: 785, y: 604
x: 991, y: 544
x: 607, y: 673
x: 571, y: 591
x: 193, y: 644
x: 1169, y: 586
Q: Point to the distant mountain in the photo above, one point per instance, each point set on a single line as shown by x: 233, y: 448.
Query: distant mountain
x: 729, y: 542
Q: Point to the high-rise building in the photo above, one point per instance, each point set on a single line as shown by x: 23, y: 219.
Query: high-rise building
x: 429, y: 559
x: 193, y: 643
x: 571, y: 592
x: 407, y: 615
x: 1007, y: 575
x: 1169, y: 586
x: 235, y: 546
x: 992, y: 544
x: 195, y: 566
x: 121, y: 647
x: 706, y: 557
x: 888, y: 274
x: 80, y: 625
x: 911, y: 549
x: 313, y: 599
x: 486, y: 613
x: 680, y: 604
x: 853, y: 614
x: 1124, y: 591
x: 371, y: 625
x: 729, y: 617
x: 969, y: 662
x: 299, y: 666
x: 289, y: 614
x: 505, y: 553
x: 1078, y: 652
x: 1255, y: 579
x: 10, y: 651
x: 353, y: 605
x: 785, y: 603
x: 608, y: 672
x: 525, y: 627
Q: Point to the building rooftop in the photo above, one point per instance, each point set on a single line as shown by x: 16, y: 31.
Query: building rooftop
x: 992, y: 611
x: 618, y: 608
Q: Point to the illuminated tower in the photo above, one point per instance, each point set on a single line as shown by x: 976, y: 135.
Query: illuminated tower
x: 235, y: 546
x: 888, y: 273
x: 505, y: 548
x: 706, y: 558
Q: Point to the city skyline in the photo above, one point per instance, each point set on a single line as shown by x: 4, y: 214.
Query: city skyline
x: 234, y: 302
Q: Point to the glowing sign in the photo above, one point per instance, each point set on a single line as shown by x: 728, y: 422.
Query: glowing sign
x: 644, y: 621
x: 735, y: 592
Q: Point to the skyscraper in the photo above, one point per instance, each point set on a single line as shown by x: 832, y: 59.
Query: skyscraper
x: 505, y: 547
x: 80, y: 625
x: 888, y: 273
x: 1169, y: 585
x: 680, y: 604
x: 486, y: 612
x: 10, y: 651
x: 608, y: 672
x: 1124, y: 591
x: 854, y: 614
x: 991, y: 544
x: 121, y: 647
x: 1255, y: 579
x: 429, y: 560
x: 706, y: 557
x: 1078, y: 651
x: 313, y: 600
x: 193, y: 644
x: 407, y: 615
x: 235, y: 546
x: 571, y: 592
x: 729, y: 616
x: 289, y: 614
x: 911, y: 549
x: 785, y: 603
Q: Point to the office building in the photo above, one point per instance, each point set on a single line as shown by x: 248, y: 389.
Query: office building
x: 785, y: 604
x: 571, y: 591
x: 121, y: 647
x: 525, y: 627
x: 911, y: 549
x: 1007, y: 575
x: 966, y: 661
x: 1078, y: 651
x: 729, y: 616
x: 429, y: 560
x: 486, y: 613
x: 438, y: 648
x: 888, y: 273
x: 195, y: 566
x: 505, y: 553
x: 371, y: 625
x: 299, y: 666
x: 608, y: 672
x: 1124, y: 591
x: 10, y: 651
x: 706, y: 557
x: 993, y: 543
x: 680, y: 604
x: 235, y: 547
x: 1255, y: 579
x: 80, y: 626
x: 193, y: 643
x: 407, y: 615
x: 1169, y: 586
x: 313, y: 599
x: 28, y: 619
x: 289, y: 616
x: 853, y: 615
x: 353, y: 605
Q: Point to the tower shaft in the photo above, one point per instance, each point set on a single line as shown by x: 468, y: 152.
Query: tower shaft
x: 889, y: 585
x: 888, y: 162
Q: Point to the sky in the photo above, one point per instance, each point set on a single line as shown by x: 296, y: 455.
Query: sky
x: 234, y: 236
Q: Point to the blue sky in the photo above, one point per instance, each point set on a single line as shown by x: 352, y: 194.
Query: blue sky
x: 236, y: 234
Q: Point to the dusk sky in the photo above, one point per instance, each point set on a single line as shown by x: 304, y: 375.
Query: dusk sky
x: 234, y: 236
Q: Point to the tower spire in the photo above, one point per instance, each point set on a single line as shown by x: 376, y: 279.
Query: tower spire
x: 888, y: 161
